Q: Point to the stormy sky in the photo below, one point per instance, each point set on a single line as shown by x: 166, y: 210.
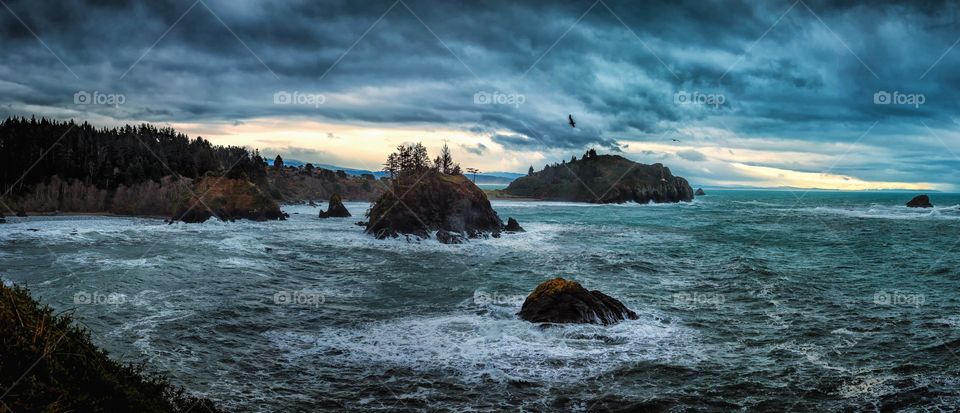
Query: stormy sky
x: 815, y: 94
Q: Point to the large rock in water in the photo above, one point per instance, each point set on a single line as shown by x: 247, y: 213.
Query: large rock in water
x: 920, y: 201
x: 700, y: 192
x: 435, y: 202
x: 335, y: 208
x: 513, y: 226
x: 612, y: 178
x: 562, y: 301
x: 227, y: 199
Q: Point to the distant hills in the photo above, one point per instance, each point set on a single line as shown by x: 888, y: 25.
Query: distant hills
x: 482, y: 178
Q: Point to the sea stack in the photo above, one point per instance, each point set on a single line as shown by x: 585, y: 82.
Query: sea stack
x: 920, y: 201
x: 562, y: 301
x: 699, y: 192
x: 335, y: 208
x: 449, y: 204
x: 513, y: 226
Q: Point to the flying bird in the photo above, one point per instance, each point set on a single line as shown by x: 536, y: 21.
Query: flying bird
x: 571, y: 122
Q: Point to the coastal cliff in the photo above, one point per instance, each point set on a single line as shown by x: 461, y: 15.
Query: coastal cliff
x: 602, y: 179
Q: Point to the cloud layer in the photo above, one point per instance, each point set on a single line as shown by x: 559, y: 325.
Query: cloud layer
x: 787, y: 85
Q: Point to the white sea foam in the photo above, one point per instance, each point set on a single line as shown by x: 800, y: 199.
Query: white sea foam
x: 898, y: 212
x: 481, y: 347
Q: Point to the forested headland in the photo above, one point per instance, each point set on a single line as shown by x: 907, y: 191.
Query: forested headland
x: 51, y: 166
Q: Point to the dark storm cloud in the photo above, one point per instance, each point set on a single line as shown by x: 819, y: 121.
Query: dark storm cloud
x: 478, y: 149
x: 511, y: 71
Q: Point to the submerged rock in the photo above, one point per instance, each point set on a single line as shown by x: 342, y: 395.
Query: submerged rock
x: 447, y: 237
x: 562, y: 301
x: 699, y: 192
x: 435, y: 202
x: 920, y: 201
x: 335, y: 209
x: 513, y: 226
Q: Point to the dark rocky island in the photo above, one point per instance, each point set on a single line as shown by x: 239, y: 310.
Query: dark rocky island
x: 699, y: 192
x: 335, y: 208
x: 426, y: 197
x: 562, y: 301
x: 513, y: 226
x: 920, y: 201
x: 601, y: 179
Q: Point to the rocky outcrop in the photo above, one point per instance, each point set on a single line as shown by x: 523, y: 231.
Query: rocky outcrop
x: 920, y: 201
x: 699, y: 192
x: 292, y: 185
x: 226, y: 199
x: 563, y: 301
x: 447, y: 237
x: 335, y: 208
x: 513, y: 226
x: 435, y: 202
x: 602, y: 179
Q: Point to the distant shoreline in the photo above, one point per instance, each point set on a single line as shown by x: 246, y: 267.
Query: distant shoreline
x: 31, y: 214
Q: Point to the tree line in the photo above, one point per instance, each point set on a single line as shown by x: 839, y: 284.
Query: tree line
x: 109, y: 157
x: 411, y: 161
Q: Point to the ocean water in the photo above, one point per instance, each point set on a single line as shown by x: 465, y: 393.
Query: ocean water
x: 748, y: 301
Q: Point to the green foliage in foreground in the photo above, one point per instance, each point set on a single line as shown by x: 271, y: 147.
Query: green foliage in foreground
x: 49, y: 364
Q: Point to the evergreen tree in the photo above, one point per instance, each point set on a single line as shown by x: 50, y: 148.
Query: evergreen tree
x: 107, y: 158
x: 278, y: 163
x: 530, y: 171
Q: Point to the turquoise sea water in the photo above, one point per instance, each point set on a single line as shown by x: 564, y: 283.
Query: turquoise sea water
x: 748, y: 300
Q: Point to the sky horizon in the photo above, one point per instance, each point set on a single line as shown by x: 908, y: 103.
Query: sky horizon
x: 803, y: 94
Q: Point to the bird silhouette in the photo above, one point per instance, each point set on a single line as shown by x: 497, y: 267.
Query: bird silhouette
x: 675, y: 140
x: 571, y: 122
